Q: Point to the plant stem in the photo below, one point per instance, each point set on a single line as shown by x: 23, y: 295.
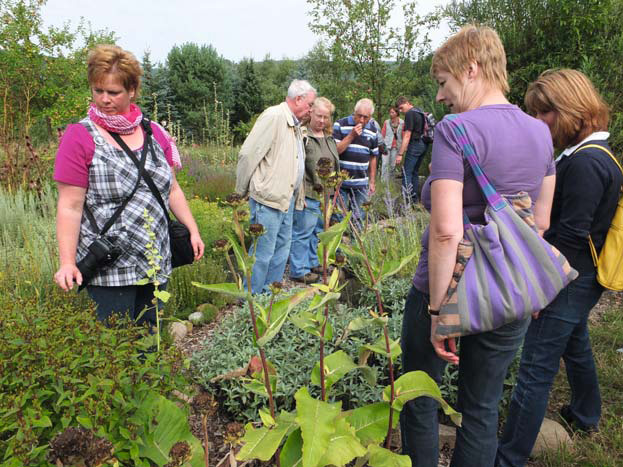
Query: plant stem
x: 204, y: 422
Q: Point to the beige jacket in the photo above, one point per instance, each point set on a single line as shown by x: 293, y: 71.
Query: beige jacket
x: 268, y: 161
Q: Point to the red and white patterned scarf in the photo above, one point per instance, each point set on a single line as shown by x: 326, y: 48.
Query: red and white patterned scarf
x: 124, y: 124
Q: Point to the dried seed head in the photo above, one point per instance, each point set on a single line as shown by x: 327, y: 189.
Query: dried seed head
x: 384, y: 251
x: 275, y: 288
x: 324, y: 162
x: 204, y: 403
x: 256, y: 230
x: 318, y: 188
x: 340, y: 259
x: 243, y: 214
x: 366, y: 206
x: 76, y: 446
x: 179, y: 453
x: 234, y: 199
x: 323, y: 172
x: 390, y: 228
x: 221, y: 245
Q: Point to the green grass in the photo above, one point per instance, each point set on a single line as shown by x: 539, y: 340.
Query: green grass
x: 603, y: 449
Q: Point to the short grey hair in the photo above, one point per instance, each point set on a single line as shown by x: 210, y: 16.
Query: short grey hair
x: 299, y: 87
x: 365, y: 102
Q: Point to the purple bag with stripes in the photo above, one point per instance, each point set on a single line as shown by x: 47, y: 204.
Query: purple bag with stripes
x: 505, y: 271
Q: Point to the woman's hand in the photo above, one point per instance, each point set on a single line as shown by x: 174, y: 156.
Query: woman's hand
x: 198, y: 246
x: 439, y: 344
x: 66, y: 275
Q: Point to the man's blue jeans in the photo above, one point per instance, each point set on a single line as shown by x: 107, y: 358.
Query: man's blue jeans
x: 354, y: 199
x: 305, y: 228
x: 411, y: 166
x: 272, y: 248
x: 560, y: 331
x: 484, y: 361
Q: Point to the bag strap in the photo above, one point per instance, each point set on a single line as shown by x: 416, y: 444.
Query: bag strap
x: 494, y: 199
x: 150, y: 183
x: 91, y: 218
x: 590, y: 240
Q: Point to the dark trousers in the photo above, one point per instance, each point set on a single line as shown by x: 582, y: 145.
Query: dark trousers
x: 411, y: 167
x: 484, y: 361
x: 128, y: 301
x: 560, y: 331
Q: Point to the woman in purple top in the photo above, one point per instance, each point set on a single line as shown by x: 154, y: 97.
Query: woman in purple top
x: 515, y: 151
x: 588, y: 184
x: 95, y: 177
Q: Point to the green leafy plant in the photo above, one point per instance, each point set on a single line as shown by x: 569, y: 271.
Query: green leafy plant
x: 318, y: 432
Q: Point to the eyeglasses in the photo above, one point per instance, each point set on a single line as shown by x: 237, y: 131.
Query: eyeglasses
x: 365, y: 117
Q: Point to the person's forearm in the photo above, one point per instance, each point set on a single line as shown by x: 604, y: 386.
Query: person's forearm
x: 441, y: 262
x: 372, y: 170
x: 181, y: 210
x: 405, y: 143
x: 67, y: 233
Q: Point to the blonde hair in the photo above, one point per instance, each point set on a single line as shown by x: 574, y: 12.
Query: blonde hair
x: 326, y: 103
x: 479, y: 44
x: 111, y: 59
x: 579, y: 108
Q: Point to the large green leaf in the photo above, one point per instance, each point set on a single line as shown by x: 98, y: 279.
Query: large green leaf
x: 343, y: 445
x: 316, y: 419
x: 242, y: 259
x: 279, y: 314
x: 292, y: 451
x: 336, y: 366
x: 170, y: 425
x: 228, y: 288
x: 312, y: 323
x: 381, y: 457
x: 320, y: 300
x: 331, y: 238
x: 262, y: 443
x: 416, y: 384
x: 370, y: 422
x: 380, y: 347
x: 392, y: 267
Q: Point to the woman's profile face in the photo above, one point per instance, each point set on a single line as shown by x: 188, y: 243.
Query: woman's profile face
x: 319, y: 118
x: 110, y: 97
x: 451, y: 92
x: 392, y: 113
x: 548, y: 117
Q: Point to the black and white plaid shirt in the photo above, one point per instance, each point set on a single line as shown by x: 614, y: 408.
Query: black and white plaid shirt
x: 112, y: 177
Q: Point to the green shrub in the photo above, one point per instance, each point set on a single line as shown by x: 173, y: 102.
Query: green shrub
x: 293, y: 353
x: 61, y: 368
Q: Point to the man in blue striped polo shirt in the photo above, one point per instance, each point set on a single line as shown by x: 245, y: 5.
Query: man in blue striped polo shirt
x: 357, y: 145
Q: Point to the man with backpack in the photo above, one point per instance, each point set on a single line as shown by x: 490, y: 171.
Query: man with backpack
x: 416, y: 137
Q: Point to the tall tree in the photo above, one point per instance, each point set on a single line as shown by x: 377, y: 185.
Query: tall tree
x: 199, y: 80
x: 247, y: 93
x: 359, y: 44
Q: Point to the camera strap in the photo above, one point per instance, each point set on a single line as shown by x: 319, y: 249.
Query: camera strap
x: 141, y: 171
x: 146, y: 176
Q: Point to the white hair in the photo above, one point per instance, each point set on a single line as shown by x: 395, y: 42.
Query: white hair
x: 299, y: 87
x: 365, y: 102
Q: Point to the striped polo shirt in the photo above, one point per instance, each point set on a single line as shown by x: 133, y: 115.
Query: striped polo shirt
x: 356, y: 158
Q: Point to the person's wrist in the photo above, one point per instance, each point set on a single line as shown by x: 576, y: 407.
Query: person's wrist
x: 432, y: 311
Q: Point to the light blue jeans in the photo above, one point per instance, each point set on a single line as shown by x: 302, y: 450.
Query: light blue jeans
x: 305, y: 228
x: 272, y: 248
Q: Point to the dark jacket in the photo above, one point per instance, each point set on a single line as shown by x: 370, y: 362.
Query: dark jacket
x: 588, y: 184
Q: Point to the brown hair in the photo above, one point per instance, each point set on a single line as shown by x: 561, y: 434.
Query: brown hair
x: 323, y: 101
x: 479, y: 44
x: 578, y: 107
x: 105, y: 59
x: 401, y: 100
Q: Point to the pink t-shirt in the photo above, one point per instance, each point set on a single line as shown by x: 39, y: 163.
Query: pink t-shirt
x: 75, y: 154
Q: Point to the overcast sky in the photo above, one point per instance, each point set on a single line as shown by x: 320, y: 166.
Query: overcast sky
x: 235, y: 28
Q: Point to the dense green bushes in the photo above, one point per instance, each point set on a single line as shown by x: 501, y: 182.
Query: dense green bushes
x: 60, y: 368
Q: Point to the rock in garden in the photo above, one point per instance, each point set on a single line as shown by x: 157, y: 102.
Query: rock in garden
x: 552, y: 436
x: 447, y: 436
x: 178, y: 331
x: 197, y: 318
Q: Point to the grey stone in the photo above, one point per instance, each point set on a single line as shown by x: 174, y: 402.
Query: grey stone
x: 552, y: 436
x: 447, y: 435
x: 196, y: 318
x: 178, y: 331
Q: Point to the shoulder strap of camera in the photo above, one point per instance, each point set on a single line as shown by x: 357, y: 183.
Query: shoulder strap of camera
x: 146, y: 176
x: 141, y: 170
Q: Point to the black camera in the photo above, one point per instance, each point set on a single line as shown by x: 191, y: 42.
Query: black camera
x: 102, y: 252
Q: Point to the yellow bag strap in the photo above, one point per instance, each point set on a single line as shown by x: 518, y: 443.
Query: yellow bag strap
x: 597, y: 146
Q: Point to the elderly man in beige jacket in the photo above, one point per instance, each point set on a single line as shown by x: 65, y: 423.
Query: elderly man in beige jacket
x: 270, y: 170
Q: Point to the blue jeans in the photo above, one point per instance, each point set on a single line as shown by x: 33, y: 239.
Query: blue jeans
x: 272, y: 248
x: 128, y: 301
x: 484, y: 361
x: 560, y: 331
x: 305, y: 228
x: 353, y: 199
x: 411, y: 168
